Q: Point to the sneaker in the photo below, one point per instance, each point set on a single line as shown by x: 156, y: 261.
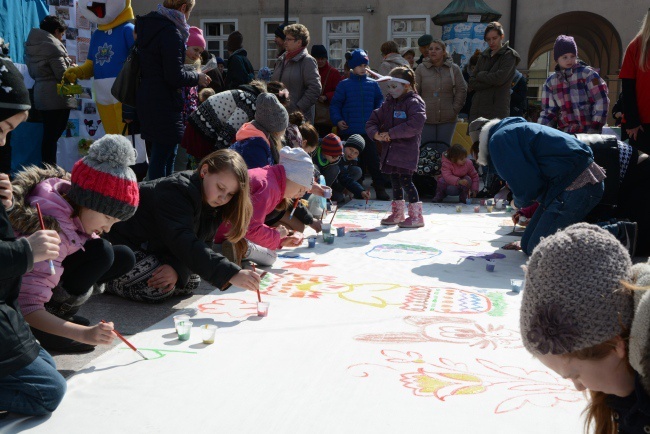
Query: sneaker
x: 235, y: 252
x: 3, y: 414
x: 627, y: 235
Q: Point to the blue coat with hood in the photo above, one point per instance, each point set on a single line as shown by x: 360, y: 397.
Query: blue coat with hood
x: 354, y: 101
x: 159, y: 98
x: 536, y: 161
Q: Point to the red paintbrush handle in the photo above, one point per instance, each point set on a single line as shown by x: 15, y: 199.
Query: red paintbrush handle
x: 119, y: 335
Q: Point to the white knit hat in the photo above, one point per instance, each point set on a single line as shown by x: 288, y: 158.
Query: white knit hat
x: 297, y: 165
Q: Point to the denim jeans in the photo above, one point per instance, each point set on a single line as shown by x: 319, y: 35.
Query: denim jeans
x: 161, y: 161
x: 35, y: 390
x: 568, y: 208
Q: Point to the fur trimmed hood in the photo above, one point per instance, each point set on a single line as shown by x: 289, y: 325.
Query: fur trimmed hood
x: 484, y: 138
x: 24, y: 218
x: 639, y: 344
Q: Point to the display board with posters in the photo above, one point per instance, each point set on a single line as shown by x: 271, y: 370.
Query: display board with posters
x: 462, y: 40
x: 84, y: 125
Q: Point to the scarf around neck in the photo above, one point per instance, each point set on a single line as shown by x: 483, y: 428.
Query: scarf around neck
x: 178, y: 19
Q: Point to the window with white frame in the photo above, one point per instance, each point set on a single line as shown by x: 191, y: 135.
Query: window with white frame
x: 341, y: 34
x: 268, y: 49
x: 216, y: 34
x: 405, y: 30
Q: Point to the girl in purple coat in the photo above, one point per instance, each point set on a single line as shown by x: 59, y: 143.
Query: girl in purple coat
x: 398, y: 124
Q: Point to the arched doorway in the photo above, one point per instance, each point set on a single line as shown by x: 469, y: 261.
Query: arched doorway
x: 599, y: 45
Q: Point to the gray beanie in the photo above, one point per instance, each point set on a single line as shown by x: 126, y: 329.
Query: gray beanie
x: 355, y: 141
x: 297, y: 165
x: 270, y: 114
x: 474, y: 128
x: 573, y: 297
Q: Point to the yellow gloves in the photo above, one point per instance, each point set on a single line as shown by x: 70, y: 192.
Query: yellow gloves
x: 82, y: 72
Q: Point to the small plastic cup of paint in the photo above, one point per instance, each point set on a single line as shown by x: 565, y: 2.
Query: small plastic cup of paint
x: 508, y: 208
x: 489, y: 267
x: 490, y: 208
x: 208, y: 332
x: 515, y: 285
x: 184, y: 328
x: 262, y: 308
x: 327, y: 192
x: 326, y: 228
x: 490, y: 202
x: 311, y: 242
x: 328, y: 238
x: 482, y: 202
x: 179, y: 318
x: 459, y: 208
x: 477, y: 209
x: 468, y: 201
x: 340, y: 232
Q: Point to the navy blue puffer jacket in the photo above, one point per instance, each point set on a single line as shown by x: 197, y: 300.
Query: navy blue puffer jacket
x: 354, y: 100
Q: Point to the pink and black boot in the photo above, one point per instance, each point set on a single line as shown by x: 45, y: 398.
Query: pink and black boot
x: 415, y: 219
x: 397, y: 213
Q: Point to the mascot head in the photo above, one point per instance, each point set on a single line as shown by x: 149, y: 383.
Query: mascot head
x: 106, y: 13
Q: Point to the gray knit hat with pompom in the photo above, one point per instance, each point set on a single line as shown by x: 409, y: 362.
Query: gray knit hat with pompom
x: 103, y: 181
x: 573, y: 297
x: 270, y: 115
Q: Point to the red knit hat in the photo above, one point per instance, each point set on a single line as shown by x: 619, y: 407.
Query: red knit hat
x: 331, y: 145
x: 102, y: 181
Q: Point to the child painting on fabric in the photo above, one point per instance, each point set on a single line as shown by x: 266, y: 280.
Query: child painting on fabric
x: 575, y: 98
x: 459, y: 177
x: 101, y: 191
x: 398, y: 124
x: 581, y: 319
x: 348, y: 183
x: 272, y: 188
x: 29, y: 381
x: 173, y: 229
x: 327, y: 156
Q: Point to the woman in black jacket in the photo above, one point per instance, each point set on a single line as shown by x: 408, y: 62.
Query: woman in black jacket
x: 161, y: 39
x: 29, y: 381
x: 172, y: 231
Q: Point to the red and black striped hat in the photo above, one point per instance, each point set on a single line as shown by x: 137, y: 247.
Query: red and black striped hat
x: 103, y: 181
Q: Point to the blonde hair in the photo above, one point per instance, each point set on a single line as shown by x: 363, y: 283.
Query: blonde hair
x: 644, y: 37
x: 298, y: 31
x: 206, y: 93
x: 442, y: 45
x: 239, y: 210
x: 177, y: 4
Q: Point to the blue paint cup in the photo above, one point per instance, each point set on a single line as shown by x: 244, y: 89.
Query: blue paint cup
x: 328, y: 238
x: 340, y: 232
x: 516, y: 285
x: 468, y: 201
x: 311, y: 242
x: 489, y: 267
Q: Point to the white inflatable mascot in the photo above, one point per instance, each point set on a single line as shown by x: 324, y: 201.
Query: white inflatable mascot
x: 109, y: 48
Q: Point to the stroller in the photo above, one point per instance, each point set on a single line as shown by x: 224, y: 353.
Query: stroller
x: 429, y: 165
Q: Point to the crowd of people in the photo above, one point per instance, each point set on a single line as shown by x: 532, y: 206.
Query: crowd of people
x: 257, y: 146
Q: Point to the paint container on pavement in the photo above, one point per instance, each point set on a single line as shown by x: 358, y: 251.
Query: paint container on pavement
x: 328, y: 238
x: 459, y: 208
x: 207, y: 333
x: 489, y: 267
x: 477, y: 209
x: 184, y: 328
x: 468, y: 201
x: 179, y: 318
x: 263, y: 308
x: 515, y: 285
x: 508, y: 208
x: 311, y: 242
x: 340, y: 232
x: 489, y: 208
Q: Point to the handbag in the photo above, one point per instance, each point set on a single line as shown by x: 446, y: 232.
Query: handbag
x: 322, y: 112
x: 68, y: 89
x: 126, y: 83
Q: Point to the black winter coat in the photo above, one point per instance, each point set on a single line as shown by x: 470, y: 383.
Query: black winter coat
x: 18, y: 348
x: 160, y: 99
x: 173, y: 223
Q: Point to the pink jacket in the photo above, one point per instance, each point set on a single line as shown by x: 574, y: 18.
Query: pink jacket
x: 267, y: 185
x: 453, y: 172
x: 36, y: 288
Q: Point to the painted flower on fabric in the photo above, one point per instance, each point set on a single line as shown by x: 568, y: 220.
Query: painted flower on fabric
x: 442, y: 384
x: 551, y: 330
x: 402, y: 357
x: 482, y: 336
